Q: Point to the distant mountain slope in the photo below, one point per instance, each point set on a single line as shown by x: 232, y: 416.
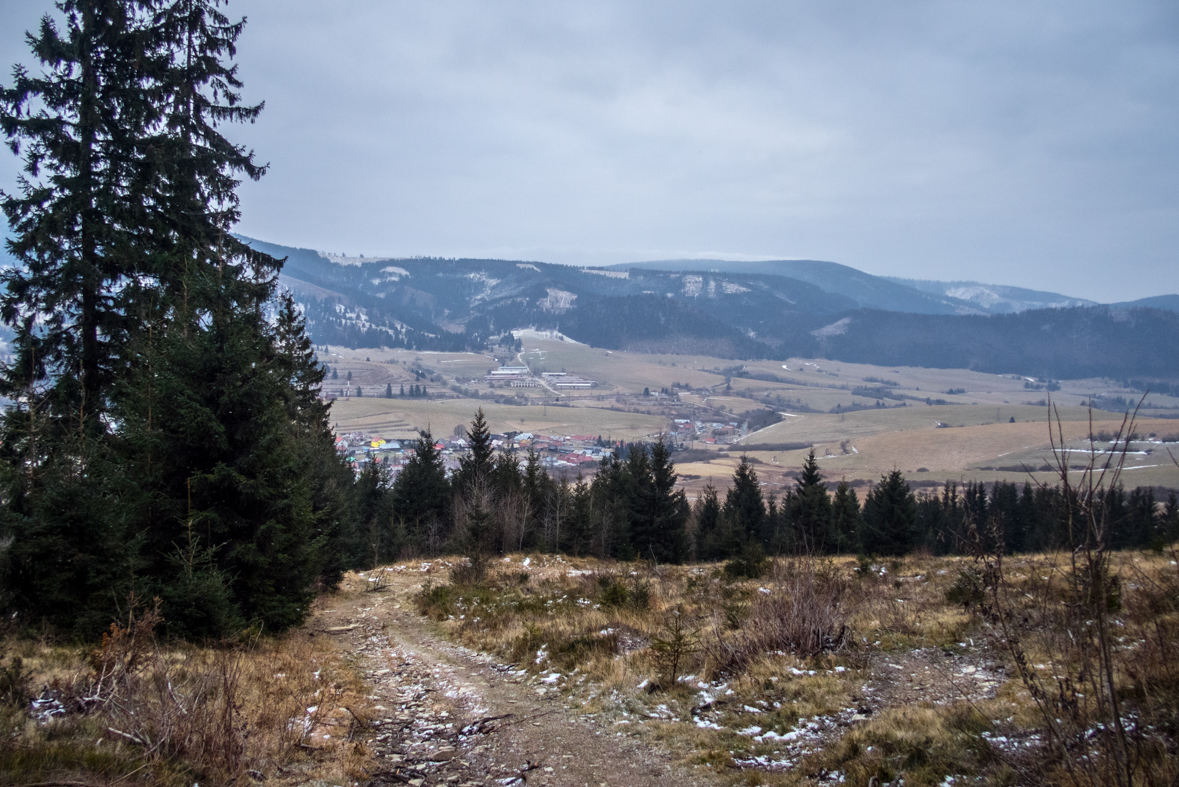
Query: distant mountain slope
x: 449, y: 304
x: 412, y: 300
x: 1167, y: 302
x: 1061, y: 343
x: 866, y: 290
x: 994, y: 298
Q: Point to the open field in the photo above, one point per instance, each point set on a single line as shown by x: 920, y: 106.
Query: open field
x: 964, y: 433
x: 402, y: 418
x: 629, y: 372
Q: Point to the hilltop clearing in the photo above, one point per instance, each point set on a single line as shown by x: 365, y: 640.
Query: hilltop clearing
x: 555, y: 671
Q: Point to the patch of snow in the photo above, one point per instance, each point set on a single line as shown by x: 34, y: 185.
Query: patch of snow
x: 837, y: 328
x: 607, y: 273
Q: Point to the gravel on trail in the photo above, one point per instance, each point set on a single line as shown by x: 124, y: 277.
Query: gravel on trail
x: 446, y: 715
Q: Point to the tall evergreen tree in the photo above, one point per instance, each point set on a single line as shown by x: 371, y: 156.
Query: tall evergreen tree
x: 811, y: 510
x: 181, y: 421
x: 657, y: 528
x: 478, y: 465
x: 744, y: 509
x: 889, y: 517
x: 421, y: 496
x: 706, y: 512
x: 845, y: 517
x: 73, y: 227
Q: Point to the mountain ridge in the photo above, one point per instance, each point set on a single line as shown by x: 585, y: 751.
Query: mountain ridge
x: 457, y: 304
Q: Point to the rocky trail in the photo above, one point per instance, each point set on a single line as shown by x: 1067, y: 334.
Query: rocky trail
x: 448, y: 716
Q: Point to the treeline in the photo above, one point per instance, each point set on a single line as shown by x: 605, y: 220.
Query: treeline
x: 894, y: 521
x: 630, y: 509
x: 496, y: 503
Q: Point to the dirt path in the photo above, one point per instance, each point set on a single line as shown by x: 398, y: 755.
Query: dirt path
x: 450, y: 716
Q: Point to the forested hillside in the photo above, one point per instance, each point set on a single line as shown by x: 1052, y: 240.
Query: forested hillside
x: 461, y: 304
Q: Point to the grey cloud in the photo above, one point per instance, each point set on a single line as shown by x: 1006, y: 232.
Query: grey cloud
x: 1026, y: 143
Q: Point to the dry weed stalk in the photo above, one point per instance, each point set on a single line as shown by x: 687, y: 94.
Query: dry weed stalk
x: 227, y: 714
x: 1095, y: 739
x: 182, y: 705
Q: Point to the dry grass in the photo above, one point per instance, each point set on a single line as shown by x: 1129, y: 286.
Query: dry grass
x: 774, y: 695
x: 268, y: 709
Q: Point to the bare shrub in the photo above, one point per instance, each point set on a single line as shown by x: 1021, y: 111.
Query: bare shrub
x: 801, y: 612
x: 177, y: 705
x: 1104, y: 705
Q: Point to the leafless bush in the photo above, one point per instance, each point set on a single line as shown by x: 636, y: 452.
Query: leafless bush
x: 1096, y: 730
x: 172, y: 705
x: 800, y: 612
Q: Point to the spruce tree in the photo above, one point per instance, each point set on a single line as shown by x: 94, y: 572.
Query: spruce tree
x: 744, y: 507
x: 75, y: 221
x: 476, y: 468
x: 380, y: 540
x: 889, y: 517
x: 421, y: 496
x: 184, y: 427
x: 660, y: 512
x: 845, y: 517
x: 707, y: 514
x: 73, y: 225
x: 811, y: 510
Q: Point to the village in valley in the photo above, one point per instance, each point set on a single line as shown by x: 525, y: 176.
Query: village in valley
x: 574, y: 405
x: 583, y: 452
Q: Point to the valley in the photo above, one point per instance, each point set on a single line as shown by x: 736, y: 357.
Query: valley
x: 935, y: 425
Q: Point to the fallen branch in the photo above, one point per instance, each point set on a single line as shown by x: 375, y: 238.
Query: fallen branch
x: 476, y: 727
x: 339, y: 629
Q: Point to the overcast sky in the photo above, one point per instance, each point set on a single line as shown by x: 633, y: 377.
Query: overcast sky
x: 1027, y: 143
